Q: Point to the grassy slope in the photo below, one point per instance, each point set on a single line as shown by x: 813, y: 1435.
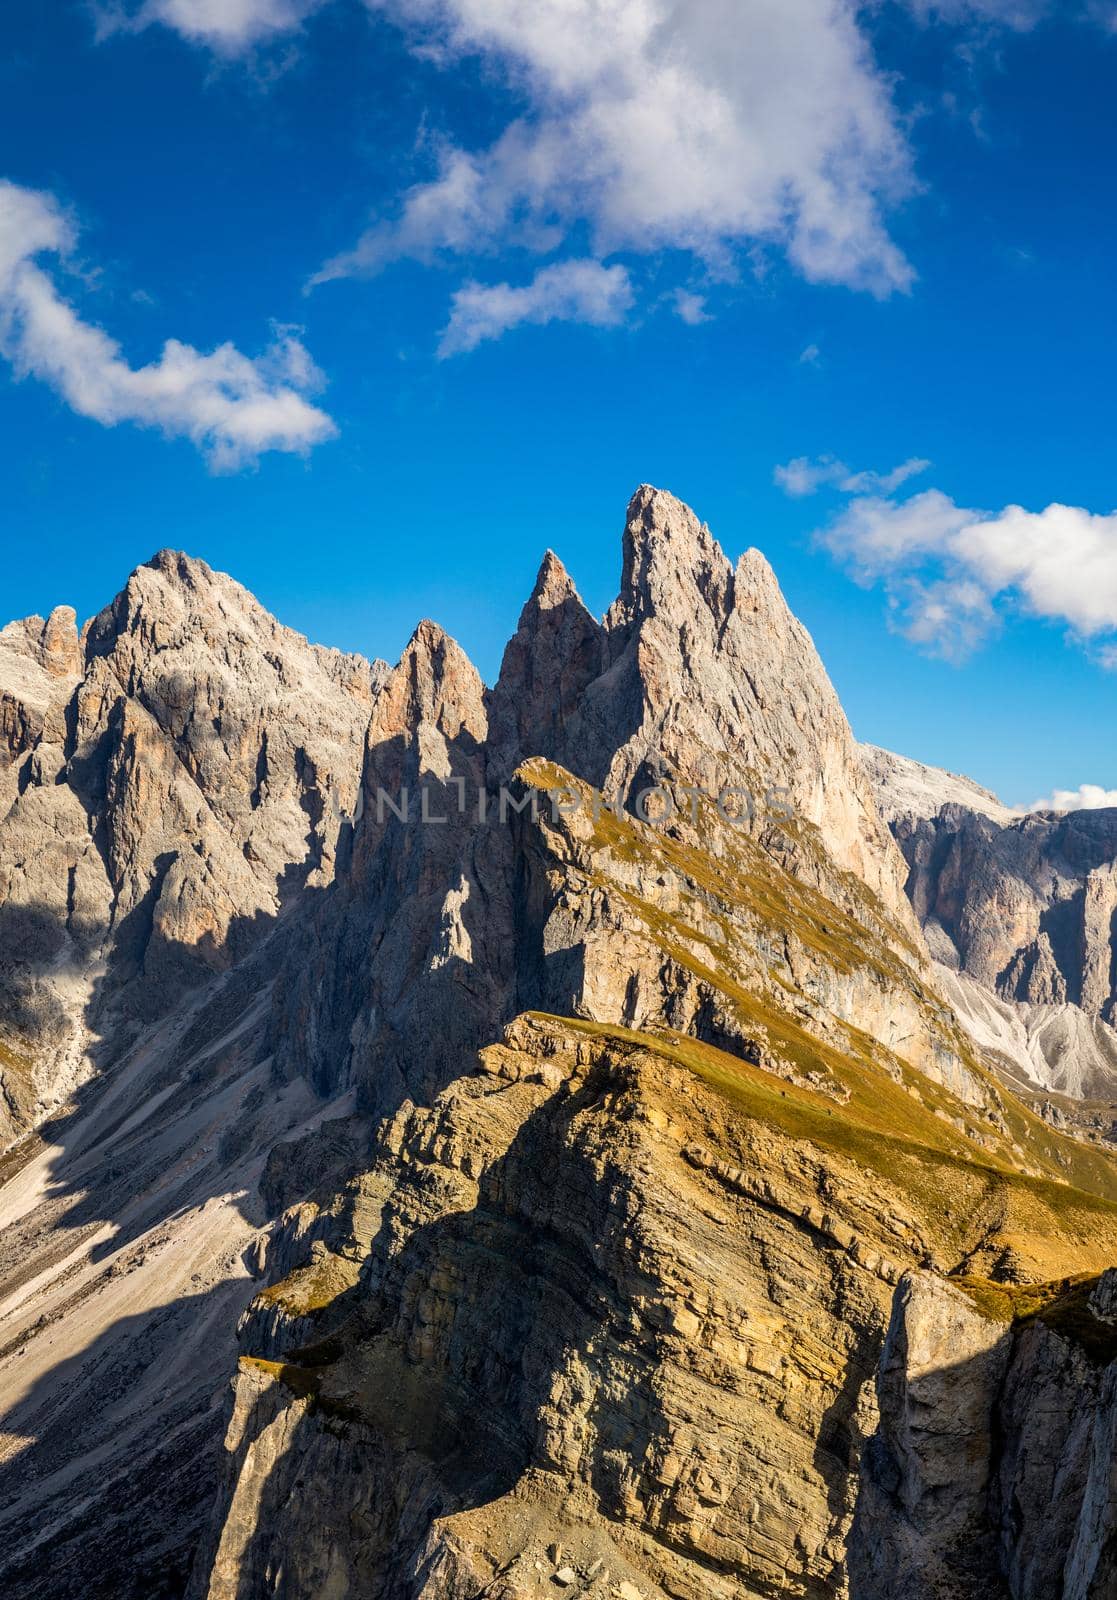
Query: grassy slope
x: 1051, y: 1194
x: 1047, y: 1195
x: 896, y: 1141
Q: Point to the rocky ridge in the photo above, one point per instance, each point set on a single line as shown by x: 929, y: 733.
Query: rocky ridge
x: 1022, y: 908
x: 559, y: 1166
x: 170, y: 778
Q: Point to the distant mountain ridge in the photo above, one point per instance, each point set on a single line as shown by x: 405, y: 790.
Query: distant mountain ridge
x: 905, y: 787
x: 1024, y: 907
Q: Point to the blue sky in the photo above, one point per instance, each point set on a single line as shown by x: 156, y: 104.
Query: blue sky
x: 446, y: 279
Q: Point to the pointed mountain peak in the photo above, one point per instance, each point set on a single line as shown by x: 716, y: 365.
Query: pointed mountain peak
x: 178, y: 565
x: 434, y: 682
x: 756, y: 587
x: 671, y: 562
x: 554, y: 603
x: 555, y: 653
x: 431, y: 653
x: 157, y: 598
x: 754, y: 568
x: 553, y: 585
x: 649, y: 500
x: 428, y: 639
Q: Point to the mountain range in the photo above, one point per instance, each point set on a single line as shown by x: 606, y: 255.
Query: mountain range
x: 609, y: 1133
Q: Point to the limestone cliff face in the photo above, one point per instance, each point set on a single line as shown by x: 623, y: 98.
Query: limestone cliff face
x: 1024, y: 907
x: 992, y: 1469
x: 579, y: 1342
x: 556, y: 1165
x: 623, y: 1281
x: 1038, y: 893
x: 1099, y: 924
x: 614, y: 1332
x: 166, y: 784
x: 700, y: 674
x: 408, y: 960
x: 698, y: 681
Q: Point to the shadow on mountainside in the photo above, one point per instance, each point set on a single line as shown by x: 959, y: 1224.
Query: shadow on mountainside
x: 501, y: 1345
x: 139, y: 1204
x: 127, y: 1229
x: 108, y: 1498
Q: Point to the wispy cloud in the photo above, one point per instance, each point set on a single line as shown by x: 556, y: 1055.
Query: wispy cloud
x: 1019, y: 15
x: 231, y: 406
x: 569, y: 291
x: 659, y: 125
x: 721, y: 129
x: 227, y: 27
x: 805, y: 475
x: 690, y: 307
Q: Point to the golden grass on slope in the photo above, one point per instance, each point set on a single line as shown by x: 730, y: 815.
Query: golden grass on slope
x: 897, y: 1140
x: 742, y: 876
x: 746, y: 881
x: 311, y: 1288
x: 1061, y: 1305
x: 11, y: 1061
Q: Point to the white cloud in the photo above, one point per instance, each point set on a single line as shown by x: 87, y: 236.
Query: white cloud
x: 1104, y: 13
x: 569, y: 291
x: 724, y: 129
x: 811, y: 356
x: 986, y: 16
x: 805, y: 475
x: 1087, y: 797
x: 230, y: 406
x: 884, y: 482
x: 947, y: 617
x: 690, y: 307
x: 228, y: 27
x: 802, y: 476
x: 697, y: 125
x: 949, y: 571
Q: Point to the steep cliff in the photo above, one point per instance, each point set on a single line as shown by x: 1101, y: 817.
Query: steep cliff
x: 166, y: 784
x: 623, y: 1283
x: 993, y: 1468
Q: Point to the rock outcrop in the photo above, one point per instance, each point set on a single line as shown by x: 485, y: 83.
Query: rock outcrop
x: 700, y: 675
x: 165, y: 784
x: 992, y: 1469
x: 699, y: 684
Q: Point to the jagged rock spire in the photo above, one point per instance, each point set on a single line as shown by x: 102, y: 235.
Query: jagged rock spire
x: 671, y: 562
x: 434, y: 683
x: 549, y: 662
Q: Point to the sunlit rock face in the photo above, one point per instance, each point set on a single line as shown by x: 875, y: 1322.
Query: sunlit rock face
x: 699, y: 673
x: 1023, y: 908
x: 550, y: 1165
x: 168, y: 782
x: 698, y: 683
